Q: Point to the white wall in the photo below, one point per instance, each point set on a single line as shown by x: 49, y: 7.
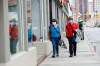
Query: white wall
x: 23, y: 59
x: 43, y: 48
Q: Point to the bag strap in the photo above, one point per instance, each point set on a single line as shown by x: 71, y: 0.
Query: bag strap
x: 71, y: 26
x: 73, y: 31
x: 56, y: 30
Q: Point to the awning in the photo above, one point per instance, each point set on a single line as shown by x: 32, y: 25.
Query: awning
x: 65, y: 10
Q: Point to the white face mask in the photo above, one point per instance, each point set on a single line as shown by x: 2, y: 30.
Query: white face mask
x: 29, y: 24
x: 53, y: 23
x: 70, y: 21
x: 13, y: 23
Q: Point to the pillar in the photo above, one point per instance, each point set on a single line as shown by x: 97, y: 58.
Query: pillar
x: 4, y: 32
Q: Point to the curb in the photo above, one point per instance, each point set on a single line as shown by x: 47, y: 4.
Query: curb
x: 90, y: 45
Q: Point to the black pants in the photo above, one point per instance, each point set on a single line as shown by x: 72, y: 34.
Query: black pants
x: 81, y: 26
x: 72, y: 46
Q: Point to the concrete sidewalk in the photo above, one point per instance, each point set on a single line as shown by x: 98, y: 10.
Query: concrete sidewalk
x: 84, y: 57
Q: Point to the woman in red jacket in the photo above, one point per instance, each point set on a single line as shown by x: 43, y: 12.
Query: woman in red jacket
x: 70, y: 32
x: 13, y: 28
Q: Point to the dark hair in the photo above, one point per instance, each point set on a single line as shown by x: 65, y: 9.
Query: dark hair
x: 70, y: 18
x: 54, y: 20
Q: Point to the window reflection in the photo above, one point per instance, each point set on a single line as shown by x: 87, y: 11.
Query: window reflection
x: 29, y: 21
x: 29, y: 32
x: 13, y: 29
x: 13, y: 26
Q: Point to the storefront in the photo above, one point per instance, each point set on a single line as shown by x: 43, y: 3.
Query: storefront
x: 41, y: 22
x: 40, y: 19
x: 15, y: 20
x: 20, y: 25
x: 24, y: 30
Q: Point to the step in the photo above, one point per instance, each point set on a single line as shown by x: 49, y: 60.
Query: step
x: 40, y: 59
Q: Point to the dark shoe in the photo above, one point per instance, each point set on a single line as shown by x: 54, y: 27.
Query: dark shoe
x: 57, y: 55
x: 71, y: 56
x: 74, y: 54
x: 53, y: 56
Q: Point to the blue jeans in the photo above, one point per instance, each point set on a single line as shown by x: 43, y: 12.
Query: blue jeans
x: 55, y: 41
x: 30, y: 42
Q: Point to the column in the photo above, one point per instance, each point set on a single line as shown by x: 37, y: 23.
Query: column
x: 25, y: 24
x: 53, y: 9
x: 45, y: 19
x: 4, y: 32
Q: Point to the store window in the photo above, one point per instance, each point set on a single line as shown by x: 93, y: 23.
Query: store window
x: 37, y: 20
x: 29, y: 23
x: 14, y: 26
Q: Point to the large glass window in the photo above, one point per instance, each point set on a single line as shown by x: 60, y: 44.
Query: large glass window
x: 36, y: 20
x: 29, y: 25
x: 14, y: 26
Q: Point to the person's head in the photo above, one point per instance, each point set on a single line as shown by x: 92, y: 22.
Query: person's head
x: 13, y: 22
x: 54, y: 21
x: 70, y: 20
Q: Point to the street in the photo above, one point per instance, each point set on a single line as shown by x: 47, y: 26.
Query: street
x: 92, y: 34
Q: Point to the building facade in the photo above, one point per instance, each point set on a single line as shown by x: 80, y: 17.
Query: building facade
x: 96, y: 4
x: 73, y: 9
x: 90, y: 7
x: 81, y: 8
x: 22, y: 18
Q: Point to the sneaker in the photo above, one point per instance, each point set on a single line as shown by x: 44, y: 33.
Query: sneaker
x: 71, y: 56
x: 53, y: 56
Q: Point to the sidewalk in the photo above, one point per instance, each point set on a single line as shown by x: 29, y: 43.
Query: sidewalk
x: 84, y: 57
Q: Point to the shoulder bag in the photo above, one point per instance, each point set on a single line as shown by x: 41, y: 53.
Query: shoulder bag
x: 61, y: 42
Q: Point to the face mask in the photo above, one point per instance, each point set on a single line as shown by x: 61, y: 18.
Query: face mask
x: 13, y: 23
x: 53, y: 23
x: 29, y: 24
x: 70, y: 21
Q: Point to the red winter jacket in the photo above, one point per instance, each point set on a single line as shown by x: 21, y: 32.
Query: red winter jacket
x: 13, y: 32
x: 69, y: 29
